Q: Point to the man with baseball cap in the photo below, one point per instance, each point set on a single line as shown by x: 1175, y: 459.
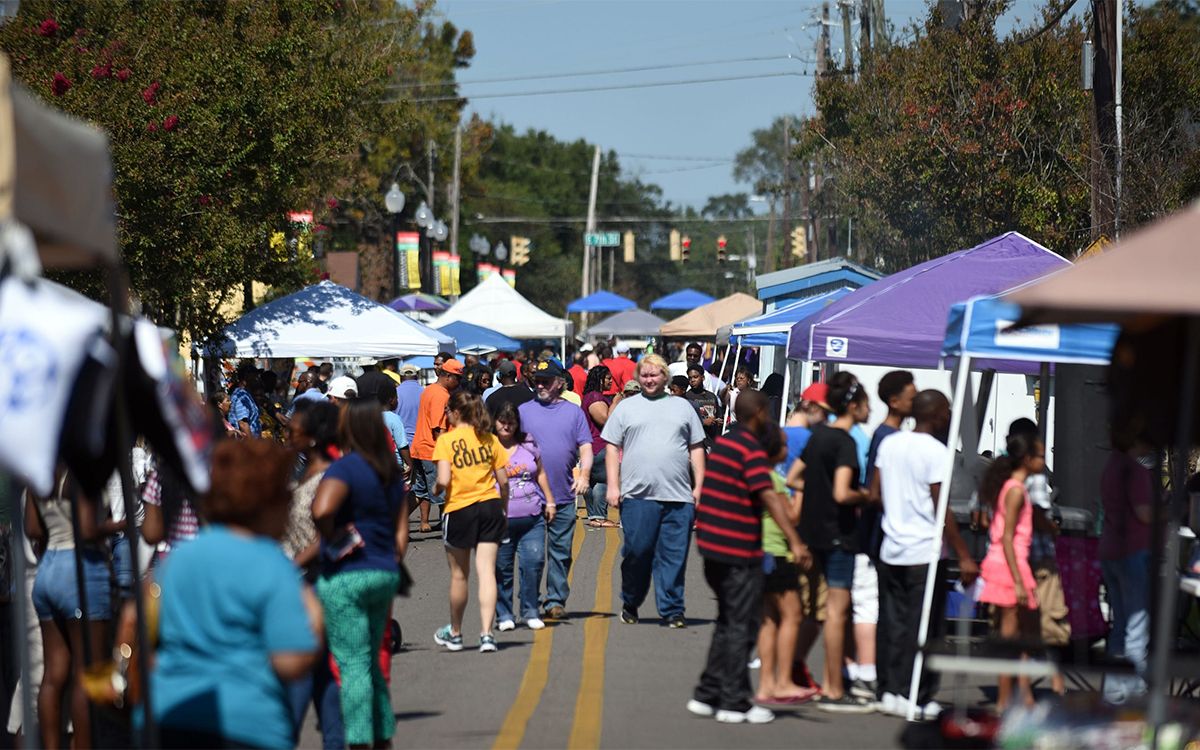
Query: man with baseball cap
x: 341, y: 389
x: 510, y: 391
x: 431, y: 422
x: 371, y: 379
x: 620, y: 365
x: 561, y: 432
x: 408, y: 399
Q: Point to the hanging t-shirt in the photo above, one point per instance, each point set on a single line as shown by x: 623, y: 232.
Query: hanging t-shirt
x: 908, y: 463
x: 525, y: 496
x: 824, y: 523
x: 472, y: 462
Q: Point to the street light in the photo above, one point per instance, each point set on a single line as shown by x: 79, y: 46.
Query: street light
x: 424, y: 216
x: 393, y: 200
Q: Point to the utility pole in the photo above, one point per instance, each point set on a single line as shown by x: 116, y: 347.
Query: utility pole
x: 1103, y: 121
x: 879, y: 35
x: 847, y: 37
x: 865, y: 16
x: 430, y: 195
x: 591, y: 227
x: 787, y: 179
x: 823, y: 41
x: 455, y: 190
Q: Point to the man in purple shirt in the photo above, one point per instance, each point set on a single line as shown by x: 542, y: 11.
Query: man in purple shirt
x: 562, y: 434
x: 408, y: 399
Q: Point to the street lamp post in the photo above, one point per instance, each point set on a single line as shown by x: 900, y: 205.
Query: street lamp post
x: 393, y: 200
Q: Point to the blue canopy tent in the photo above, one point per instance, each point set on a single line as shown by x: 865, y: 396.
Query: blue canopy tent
x: 684, y: 299
x: 600, y: 302
x: 772, y: 327
x: 980, y: 334
x: 473, y: 339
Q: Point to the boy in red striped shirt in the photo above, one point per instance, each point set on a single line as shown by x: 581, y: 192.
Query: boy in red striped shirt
x: 737, y: 486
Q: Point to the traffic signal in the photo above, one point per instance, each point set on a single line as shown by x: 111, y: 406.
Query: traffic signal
x: 676, y: 252
x: 686, y: 244
x: 520, y: 250
x: 800, y: 242
x: 629, y: 247
x: 721, y: 249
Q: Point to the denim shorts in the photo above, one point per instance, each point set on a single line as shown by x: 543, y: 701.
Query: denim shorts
x: 424, y: 479
x: 55, y: 595
x: 837, y: 567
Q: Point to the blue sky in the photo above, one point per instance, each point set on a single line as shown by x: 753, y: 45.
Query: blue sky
x: 658, y: 132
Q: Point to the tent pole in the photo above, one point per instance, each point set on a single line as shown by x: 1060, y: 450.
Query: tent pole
x: 935, y: 550
x: 737, y: 357
x: 1043, y: 407
x: 787, y: 384
x: 986, y: 379
x: 1166, y: 564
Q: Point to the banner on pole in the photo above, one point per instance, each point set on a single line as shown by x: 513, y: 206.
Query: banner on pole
x: 408, y: 259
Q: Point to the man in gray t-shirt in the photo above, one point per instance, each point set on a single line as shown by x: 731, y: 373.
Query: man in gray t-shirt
x: 654, y: 479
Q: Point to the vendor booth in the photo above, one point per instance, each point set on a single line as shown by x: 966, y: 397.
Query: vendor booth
x: 684, y: 299
x: 631, y: 323
x: 495, y: 305
x: 473, y: 339
x: 326, y: 320
x: 703, y: 322
x: 601, y: 301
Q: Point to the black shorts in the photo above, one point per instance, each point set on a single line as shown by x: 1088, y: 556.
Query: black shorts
x: 477, y: 523
x: 784, y: 577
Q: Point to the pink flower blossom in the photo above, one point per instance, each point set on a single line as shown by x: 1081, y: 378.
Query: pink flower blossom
x: 60, y: 84
x: 49, y: 27
x: 170, y: 123
x: 123, y: 74
x: 102, y: 71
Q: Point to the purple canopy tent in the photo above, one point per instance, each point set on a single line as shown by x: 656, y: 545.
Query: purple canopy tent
x: 900, y: 320
x: 419, y: 302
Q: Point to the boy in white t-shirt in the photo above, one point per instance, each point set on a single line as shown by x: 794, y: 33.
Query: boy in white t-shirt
x: 909, y: 469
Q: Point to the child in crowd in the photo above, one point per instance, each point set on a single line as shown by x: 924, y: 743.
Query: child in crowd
x: 1008, y: 582
x: 470, y: 470
x: 781, y: 594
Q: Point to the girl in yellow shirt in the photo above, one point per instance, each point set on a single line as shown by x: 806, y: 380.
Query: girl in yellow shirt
x: 470, y: 471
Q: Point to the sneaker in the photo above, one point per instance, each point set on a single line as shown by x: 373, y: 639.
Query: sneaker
x: 847, y: 704
x: 505, y: 626
x: 864, y: 689
x: 534, y: 623
x: 629, y: 615
x: 699, y: 708
x: 756, y: 715
x: 675, y: 621
x: 755, y: 664
x: 487, y: 643
x: 557, y: 612
x: 887, y: 703
x: 929, y: 711
x: 448, y: 639
x: 897, y: 705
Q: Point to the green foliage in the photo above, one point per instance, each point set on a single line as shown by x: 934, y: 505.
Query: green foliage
x: 222, y: 116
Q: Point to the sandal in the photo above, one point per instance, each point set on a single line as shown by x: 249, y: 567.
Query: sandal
x: 426, y: 529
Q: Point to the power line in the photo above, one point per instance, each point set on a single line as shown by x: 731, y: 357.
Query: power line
x: 657, y: 157
x: 555, y: 220
x: 582, y: 73
x: 581, y: 90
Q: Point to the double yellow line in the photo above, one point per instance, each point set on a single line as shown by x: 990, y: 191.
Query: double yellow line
x: 589, y: 701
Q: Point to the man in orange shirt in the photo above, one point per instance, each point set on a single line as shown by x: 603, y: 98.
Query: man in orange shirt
x: 621, y: 366
x: 431, y: 422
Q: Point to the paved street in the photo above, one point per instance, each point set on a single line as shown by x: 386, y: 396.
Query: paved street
x: 590, y: 681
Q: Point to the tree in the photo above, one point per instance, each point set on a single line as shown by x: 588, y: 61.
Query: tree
x: 728, y: 206
x: 222, y: 116
x: 765, y: 165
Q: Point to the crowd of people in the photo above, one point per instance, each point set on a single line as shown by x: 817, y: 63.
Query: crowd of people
x: 808, y: 530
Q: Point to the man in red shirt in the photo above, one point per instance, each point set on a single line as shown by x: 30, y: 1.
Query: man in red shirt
x: 621, y: 366
x: 737, y: 487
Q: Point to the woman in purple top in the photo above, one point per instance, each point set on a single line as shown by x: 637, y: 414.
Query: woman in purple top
x: 528, y: 512
x: 597, y: 403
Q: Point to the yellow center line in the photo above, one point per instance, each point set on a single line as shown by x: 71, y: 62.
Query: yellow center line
x: 589, y: 702
x: 537, y: 672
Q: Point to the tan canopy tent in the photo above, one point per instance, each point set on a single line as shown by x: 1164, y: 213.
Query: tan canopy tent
x: 1152, y: 272
x: 703, y: 322
x: 56, y: 179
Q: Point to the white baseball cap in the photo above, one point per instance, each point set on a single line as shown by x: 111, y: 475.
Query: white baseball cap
x: 622, y: 347
x: 342, y: 387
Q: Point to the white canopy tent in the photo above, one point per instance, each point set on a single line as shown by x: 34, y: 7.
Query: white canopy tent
x: 326, y: 320
x: 496, y: 305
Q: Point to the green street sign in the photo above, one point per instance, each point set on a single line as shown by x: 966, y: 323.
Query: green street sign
x: 602, y: 239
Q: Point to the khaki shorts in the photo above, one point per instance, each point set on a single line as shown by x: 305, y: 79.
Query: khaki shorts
x: 1055, y: 625
x: 813, y: 593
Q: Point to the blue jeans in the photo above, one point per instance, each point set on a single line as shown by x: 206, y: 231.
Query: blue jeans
x: 424, y: 479
x: 560, y: 535
x: 122, y: 562
x: 1127, y: 582
x: 597, y: 504
x: 526, y: 539
x: 657, y: 535
x: 319, y: 688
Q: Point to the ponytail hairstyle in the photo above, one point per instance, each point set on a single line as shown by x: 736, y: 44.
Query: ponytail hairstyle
x: 470, y: 410
x: 844, y: 390
x: 1020, y: 447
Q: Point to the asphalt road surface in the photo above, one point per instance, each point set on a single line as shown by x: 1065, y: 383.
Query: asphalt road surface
x: 587, y: 681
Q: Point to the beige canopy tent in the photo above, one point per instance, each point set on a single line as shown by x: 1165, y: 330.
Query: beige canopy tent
x: 1152, y: 272
x: 56, y: 179
x: 1149, y: 282
x: 703, y: 322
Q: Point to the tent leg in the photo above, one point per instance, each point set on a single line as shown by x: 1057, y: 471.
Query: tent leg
x: 737, y: 357
x: 1043, y: 407
x: 935, y: 551
x: 986, y: 380
x: 787, y: 384
x: 1165, y: 566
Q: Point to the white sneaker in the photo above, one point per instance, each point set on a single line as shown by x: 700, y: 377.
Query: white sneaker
x: 699, y: 708
x: 887, y: 703
x: 534, y: 623
x: 929, y: 711
x: 899, y: 708
x: 755, y: 664
x: 756, y: 715
x: 506, y: 625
